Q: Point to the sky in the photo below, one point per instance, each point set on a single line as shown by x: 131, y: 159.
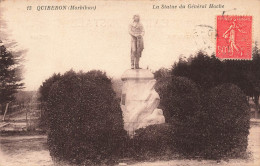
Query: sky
x: 57, y: 41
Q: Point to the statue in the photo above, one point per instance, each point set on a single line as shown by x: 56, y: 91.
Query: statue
x: 139, y: 100
x: 136, y: 31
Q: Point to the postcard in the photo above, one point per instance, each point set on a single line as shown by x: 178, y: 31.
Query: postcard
x: 113, y: 82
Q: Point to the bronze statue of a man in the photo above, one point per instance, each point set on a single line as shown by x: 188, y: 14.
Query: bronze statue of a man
x: 136, y: 31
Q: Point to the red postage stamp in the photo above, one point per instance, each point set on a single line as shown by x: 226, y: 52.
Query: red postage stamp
x: 234, y: 37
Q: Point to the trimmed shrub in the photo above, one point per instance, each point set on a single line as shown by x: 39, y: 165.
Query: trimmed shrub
x: 43, y: 98
x: 152, y: 141
x: 180, y: 101
x: 227, y: 122
x: 161, y: 88
x: 46, y: 87
x: 180, y: 98
x: 84, y: 119
x: 212, y: 124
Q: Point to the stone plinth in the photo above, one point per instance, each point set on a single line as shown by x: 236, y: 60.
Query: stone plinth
x: 139, y: 100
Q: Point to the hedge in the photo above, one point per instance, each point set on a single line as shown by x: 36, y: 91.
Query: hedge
x: 211, y: 124
x: 180, y: 101
x: 85, y: 120
x: 227, y: 123
x: 152, y: 142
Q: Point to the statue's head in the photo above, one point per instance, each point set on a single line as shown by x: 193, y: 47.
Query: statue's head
x: 136, y: 18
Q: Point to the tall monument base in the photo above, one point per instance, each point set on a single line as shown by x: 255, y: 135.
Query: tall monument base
x: 139, y: 100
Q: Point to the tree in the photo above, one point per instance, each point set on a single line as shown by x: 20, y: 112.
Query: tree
x: 208, y: 72
x: 162, y: 73
x: 256, y: 75
x: 10, y: 76
x: 204, y: 70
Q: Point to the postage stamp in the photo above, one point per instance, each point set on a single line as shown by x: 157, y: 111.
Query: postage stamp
x: 234, y: 37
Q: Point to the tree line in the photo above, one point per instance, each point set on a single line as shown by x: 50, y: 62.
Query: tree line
x: 208, y: 72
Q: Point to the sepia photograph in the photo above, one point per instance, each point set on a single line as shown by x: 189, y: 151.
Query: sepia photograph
x: 129, y: 82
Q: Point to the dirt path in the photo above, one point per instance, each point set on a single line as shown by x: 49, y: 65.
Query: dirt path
x: 24, y: 151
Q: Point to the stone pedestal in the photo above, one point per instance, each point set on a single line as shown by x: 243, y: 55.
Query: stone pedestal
x: 139, y: 100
